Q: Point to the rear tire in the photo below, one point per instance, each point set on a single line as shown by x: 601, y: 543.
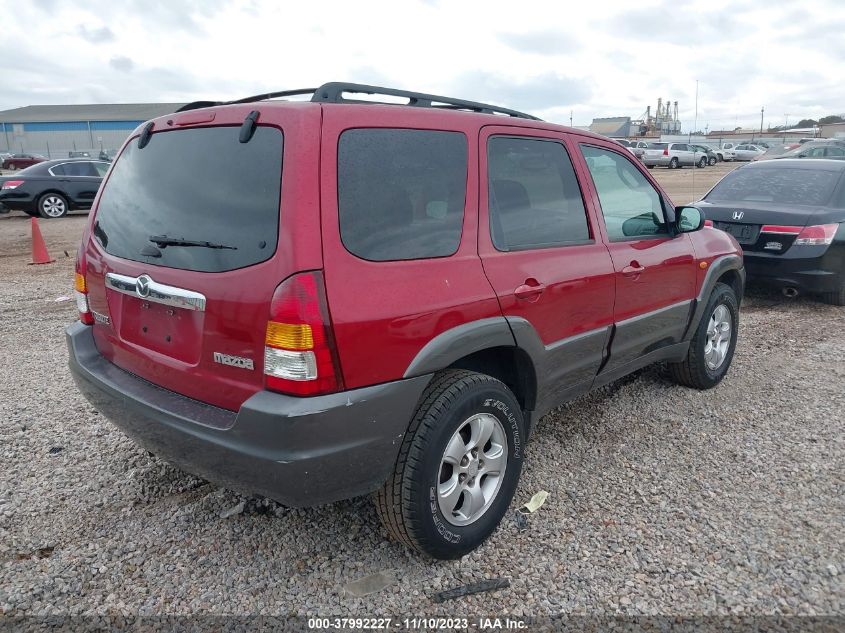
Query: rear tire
x: 12, y: 166
x: 444, y: 500
x: 52, y: 205
x: 674, y: 164
x: 835, y: 298
x: 710, y: 353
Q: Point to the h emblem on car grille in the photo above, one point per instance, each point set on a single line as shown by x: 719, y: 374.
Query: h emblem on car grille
x: 737, y: 216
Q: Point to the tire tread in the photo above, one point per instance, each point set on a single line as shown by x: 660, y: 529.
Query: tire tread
x: 395, y: 498
x: 689, y: 372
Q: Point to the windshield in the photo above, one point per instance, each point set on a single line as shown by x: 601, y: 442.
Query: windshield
x: 200, y: 186
x: 796, y: 186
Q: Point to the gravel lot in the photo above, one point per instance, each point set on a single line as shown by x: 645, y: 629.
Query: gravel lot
x: 662, y: 500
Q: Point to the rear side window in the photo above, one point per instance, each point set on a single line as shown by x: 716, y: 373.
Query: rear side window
x: 658, y: 145
x: 401, y: 193
x: 805, y: 187
x: 535, y: 200
x: 79, y: 169
x: 199, y: 185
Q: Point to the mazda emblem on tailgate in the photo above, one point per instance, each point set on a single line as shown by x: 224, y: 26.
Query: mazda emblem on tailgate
x: 142, y: 286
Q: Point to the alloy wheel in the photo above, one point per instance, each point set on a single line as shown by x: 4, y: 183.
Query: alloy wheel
x: 719, y: 332
x: 53, y: 206
x: 472, y: 469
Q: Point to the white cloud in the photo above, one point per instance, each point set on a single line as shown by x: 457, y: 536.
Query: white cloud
x: 595, y: 59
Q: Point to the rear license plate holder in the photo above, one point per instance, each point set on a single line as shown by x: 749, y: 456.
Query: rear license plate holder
x: 743, y: 233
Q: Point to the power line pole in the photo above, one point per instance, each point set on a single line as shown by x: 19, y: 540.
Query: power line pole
x: 570, y: 118
x: 761, y: 119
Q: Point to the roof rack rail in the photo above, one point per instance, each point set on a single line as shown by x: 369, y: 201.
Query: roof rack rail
x: 333, y: 92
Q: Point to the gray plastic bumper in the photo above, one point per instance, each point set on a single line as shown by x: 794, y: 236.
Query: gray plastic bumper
x: 298, y: 451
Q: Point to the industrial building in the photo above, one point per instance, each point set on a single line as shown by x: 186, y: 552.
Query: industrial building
x: 664, y: 121
x: 55, y: 130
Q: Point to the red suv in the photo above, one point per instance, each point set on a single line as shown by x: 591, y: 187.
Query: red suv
x: 317, y: 300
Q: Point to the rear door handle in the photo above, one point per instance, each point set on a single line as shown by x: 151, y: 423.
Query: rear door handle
x: 530, y: 290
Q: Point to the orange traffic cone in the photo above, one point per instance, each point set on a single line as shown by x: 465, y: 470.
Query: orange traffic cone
x: 39, y: 248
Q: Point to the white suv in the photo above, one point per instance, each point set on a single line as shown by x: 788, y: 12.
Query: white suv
x: 671, y: 155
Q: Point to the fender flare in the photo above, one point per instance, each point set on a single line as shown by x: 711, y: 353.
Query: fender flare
x: 457, y: 342
x: 718, y: 267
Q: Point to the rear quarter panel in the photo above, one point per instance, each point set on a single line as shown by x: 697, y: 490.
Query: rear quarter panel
x: 383, y: 313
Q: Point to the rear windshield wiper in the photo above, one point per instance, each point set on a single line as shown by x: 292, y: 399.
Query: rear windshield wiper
x: 162, y: 240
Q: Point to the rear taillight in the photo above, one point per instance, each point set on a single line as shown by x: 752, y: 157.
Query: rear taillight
x: 80, y: 291
x: 780, y: 230
x: 665, y: 151
x: 12, y: 184
x: 300, y: 356
x: 817, y: 235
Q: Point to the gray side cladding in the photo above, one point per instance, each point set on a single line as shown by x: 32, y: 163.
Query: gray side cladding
x: 463, y: 340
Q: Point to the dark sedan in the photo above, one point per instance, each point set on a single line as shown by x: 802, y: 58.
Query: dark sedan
x: 788, y: 217
x: 52, y: 188
x: 19, y: 161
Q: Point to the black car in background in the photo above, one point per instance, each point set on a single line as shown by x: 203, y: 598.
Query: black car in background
x: 789, y: 217
x: 54, y: 187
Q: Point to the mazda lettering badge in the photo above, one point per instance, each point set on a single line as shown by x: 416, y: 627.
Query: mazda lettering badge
x: 737, y: 216
x: 142, y: 286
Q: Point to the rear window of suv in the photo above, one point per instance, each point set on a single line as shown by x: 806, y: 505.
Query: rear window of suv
x: 401, y: 193
x: 198, y: 185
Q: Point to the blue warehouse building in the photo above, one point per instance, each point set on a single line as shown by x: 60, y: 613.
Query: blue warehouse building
x: 56, y: 130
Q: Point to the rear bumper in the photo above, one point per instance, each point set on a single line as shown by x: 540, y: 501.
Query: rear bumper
x: 21, y: 202
x: 298, y: 451
x: 823, y: 273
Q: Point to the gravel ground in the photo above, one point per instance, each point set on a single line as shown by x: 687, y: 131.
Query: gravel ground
x: 662, y: 500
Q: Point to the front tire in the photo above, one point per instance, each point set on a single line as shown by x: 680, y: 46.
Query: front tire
x: 712, y: 161
x: 458, y: 466
x: 702, y: 163
x: 712, y: 346
x: 12, y: 166
x: 52, y: 205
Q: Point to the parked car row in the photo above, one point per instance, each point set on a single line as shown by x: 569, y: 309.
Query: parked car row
x: 13, y: 161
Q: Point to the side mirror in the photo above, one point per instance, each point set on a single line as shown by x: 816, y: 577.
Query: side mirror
x: 689, y: 219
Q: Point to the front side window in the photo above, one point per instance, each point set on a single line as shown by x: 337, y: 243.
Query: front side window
x: 401, y: 193
x: 630, y: 204
x: 534, y: 197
